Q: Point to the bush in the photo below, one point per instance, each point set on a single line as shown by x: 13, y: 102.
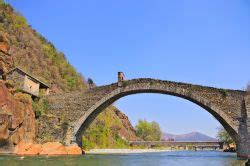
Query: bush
x: 2, y: 2
x: 104, y: 132
x: 223, y: 136
x: 223, y: 93
x: 25, y: 98
x: 20, y: 21
x: 148, y: 131
x: 18, y: 90
x: 40, y: 107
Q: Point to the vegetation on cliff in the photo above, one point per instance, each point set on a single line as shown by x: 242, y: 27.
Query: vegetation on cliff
x: 36, y: 55
x: 108, y: 131
x: 39, y: 57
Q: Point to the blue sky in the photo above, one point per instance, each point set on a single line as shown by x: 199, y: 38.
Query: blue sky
x: 203, y: 42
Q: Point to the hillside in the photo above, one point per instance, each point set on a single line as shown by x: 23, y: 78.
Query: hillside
x: 193, y: 136
x: 104, y: 134
x: 33, y: 53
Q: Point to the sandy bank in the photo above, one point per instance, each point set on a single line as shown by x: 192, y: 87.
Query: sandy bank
x: 123, y: 151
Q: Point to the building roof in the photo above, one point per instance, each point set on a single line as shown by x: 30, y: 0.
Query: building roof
x: 25, y: 73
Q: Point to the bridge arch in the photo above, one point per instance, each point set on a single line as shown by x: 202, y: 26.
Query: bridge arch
x: 223, y: 104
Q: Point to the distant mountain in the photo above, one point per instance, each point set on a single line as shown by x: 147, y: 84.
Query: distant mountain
x: 193, y: 136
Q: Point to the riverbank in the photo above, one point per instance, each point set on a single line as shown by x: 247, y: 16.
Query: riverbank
x: 124, y: 151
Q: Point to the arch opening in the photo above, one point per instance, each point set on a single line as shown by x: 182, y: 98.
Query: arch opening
x: 99, y: 107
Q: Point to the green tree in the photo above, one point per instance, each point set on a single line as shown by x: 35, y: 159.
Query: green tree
x: 91, y: 83
x: 223, y: 136
x: 148, y: 131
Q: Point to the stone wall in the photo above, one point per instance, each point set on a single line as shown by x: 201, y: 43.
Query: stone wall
x: 247, y: 100
x: 31, y: 86
x: 16, y: 79
x: 80, y: 108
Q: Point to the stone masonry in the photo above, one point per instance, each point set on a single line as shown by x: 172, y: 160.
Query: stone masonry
x: 229, y: 107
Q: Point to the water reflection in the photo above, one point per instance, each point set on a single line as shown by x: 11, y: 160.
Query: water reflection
x: 179, y: 158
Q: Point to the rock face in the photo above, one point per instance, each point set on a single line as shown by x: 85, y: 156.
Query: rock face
x: 17, y: 119
x: 6, y: 61
x: 53, y: 148
x: 74, y: 150
x: 127, y: 131
x: 49, y: 148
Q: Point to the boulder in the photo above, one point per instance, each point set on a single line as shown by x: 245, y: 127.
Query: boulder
x: 34, y: 149
x: 74, y: 150
x: 53, y: 148
x: 60, y: 151
x: 22, y: 147
x: 50, y: 148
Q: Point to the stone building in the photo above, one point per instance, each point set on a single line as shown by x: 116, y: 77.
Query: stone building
x: 27, y: 83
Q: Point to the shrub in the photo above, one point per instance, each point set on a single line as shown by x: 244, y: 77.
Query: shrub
x: 40, y: 107
x: 20, y: 21
x: 223, y: 93
x: 104, y: 132
x: 90, y: 81
x: 25, y: 98
x: 64, y: 126
x: 190, y: 147
x: 2, y: 2
x: 18, y: 90
x: 223, y: 136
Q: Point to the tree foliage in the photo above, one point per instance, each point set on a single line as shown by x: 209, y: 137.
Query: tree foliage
x: 40, y: 107
x: 223, y: 136
x: 90, y: 81
x: 104, y: 132
x: 148, y: 131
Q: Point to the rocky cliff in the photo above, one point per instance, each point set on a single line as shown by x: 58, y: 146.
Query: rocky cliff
x: 17, y: 119
x: 21, y: 46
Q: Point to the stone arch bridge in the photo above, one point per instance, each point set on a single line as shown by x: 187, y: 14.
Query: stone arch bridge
x: 230, y: 107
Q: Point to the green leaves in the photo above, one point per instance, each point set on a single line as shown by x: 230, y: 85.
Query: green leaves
x: 148, y: 131
x: 223, y: 136
x: 104, y: 132
x: 40, y: 107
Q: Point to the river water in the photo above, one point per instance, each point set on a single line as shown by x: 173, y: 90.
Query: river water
x: 173, y: 158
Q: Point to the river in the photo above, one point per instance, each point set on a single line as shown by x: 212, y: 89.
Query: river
x: 172, y: 158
